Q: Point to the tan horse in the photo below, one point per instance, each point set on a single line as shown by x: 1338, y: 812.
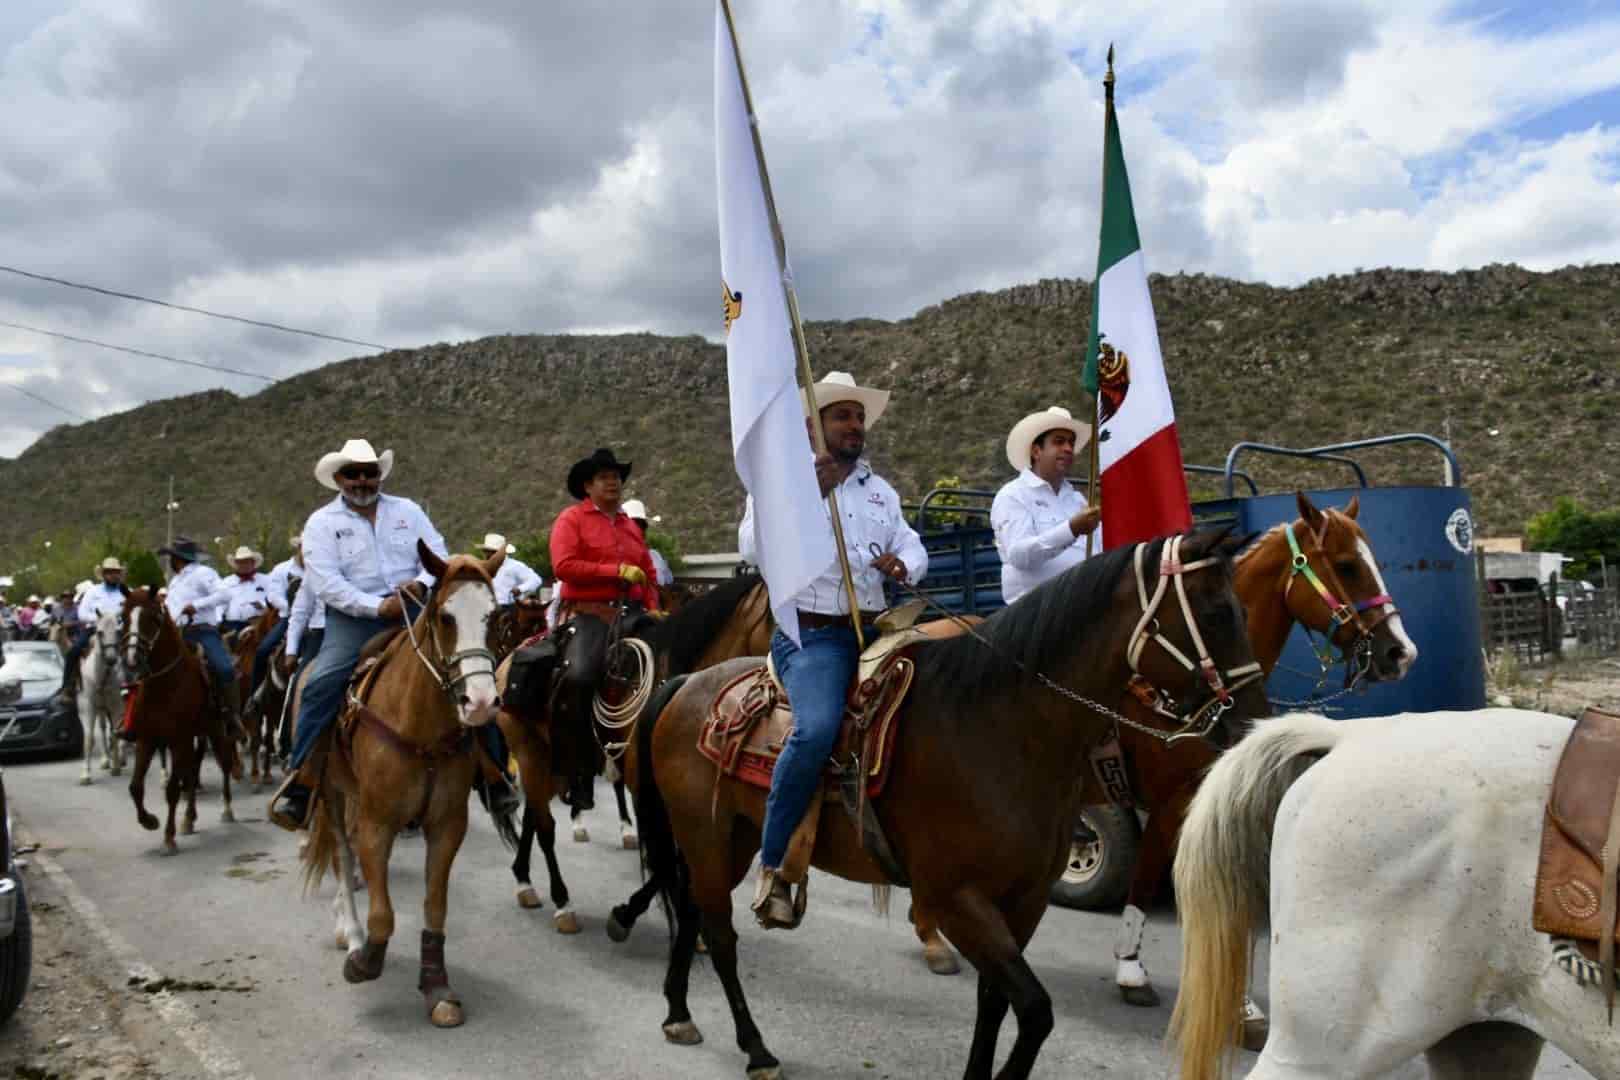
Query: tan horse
x: 409, y: 753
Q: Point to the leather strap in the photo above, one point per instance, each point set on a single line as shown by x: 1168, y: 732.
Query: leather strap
x: 1610, y: 900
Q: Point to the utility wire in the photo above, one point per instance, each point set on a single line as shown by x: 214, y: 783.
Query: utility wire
x: 141, y: 352
x: 47, y: 401
x: 194, y: 310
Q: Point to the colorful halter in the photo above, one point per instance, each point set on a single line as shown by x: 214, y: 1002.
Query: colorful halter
x: 1340, y: 613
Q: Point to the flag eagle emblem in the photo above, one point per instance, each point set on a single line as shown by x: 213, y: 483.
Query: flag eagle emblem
x: 1113, y: 380
x: 732, y: 302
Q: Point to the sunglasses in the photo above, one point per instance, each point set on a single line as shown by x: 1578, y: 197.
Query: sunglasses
x: 359, y: 472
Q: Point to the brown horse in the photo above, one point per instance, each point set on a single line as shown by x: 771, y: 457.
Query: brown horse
x: 981, y: 802
x: 171, y: 708
x: 408, y: 753
x: 257, y: 719
x: 1276, y: 591
x: 513, y: 624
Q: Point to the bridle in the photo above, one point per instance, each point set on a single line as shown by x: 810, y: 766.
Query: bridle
x: 1341, y: 614
x: 1201, y: 721
x: 449, y: 672
x: 144, y: 646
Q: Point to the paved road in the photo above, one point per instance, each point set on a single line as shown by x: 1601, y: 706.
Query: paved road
x: 845, y: 995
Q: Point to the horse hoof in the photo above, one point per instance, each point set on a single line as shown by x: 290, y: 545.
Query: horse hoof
x: 567, y: 922
x: 1144, y: 996
x: 148, y: 822
x: 84, y: 781
x: 447, y: 1014
x: 630, y: 840
x: 528, y: 898
x: 170, y: 848
x: 116, y: 770
x: 581, y: 835
x: 941, y: 959
x: 766, y: 1072
x: 1255, y: 1033
x: 188, y: 829
x: 702, y: 948
x: 616, y: 930
x: 365, y: 963
x: 341, y: 939
x: 684, y: 1033
x: 226, y: 815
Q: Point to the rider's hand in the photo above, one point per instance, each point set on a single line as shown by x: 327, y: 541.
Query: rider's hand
x: 828, y: 472
x: 390, y: 609
x: 1086, y: 520
x: 188, y: 610
x: 635, y: 575
x: 286, y: 662
x: 415, y: 590
x: 891, y: 566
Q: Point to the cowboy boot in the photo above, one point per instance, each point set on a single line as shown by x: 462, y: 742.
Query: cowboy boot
x: 773, y: 901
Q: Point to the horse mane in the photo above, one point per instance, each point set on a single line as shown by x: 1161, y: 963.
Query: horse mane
x: 684, y: 635
x: 1032, y: 635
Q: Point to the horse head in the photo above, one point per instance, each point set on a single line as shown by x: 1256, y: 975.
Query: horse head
x: 146, y: 624
x: 108, y: 626
x: 452, y: 632
x: 1334, y: 587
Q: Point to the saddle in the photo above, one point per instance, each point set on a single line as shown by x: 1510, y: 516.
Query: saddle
x: 1578, y: 875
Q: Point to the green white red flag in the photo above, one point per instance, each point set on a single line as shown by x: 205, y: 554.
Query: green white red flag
x: 1143, y: 487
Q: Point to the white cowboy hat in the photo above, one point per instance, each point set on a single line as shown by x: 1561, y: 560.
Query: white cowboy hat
x: 635, y: 510
x: 82, y: 587
x: 295, y: 540
x: 1053, y: 418
x: 838, y: 386
x: 245, y: 552
x: 497, y: 542
x: 33, y: 598
x: 110, y: 563
x: 354, y: 452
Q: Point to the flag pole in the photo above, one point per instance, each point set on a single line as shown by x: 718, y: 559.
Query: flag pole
x: 806, y: 378
x: 1093, y: 484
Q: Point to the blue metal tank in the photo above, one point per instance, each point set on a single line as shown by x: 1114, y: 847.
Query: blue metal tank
x: 1423, y: 537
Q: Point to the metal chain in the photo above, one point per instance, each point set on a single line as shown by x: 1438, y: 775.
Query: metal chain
x: 1363, y: 655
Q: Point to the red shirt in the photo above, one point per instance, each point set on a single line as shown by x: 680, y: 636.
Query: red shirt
x: 587, y: 548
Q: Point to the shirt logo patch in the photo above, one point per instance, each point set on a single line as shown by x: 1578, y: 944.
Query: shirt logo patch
x: 875, y: 499
x: 344, y: 533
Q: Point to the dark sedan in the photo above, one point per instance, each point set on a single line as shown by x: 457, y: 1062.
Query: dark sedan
x: 43, y: 719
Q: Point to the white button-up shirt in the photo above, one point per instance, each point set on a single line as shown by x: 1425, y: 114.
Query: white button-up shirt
x: 282, y: 575
x: 871, y: 513
x: 666, y: 576
x: 198, y: 586
x: 308, y: 613
x: 354, y: 564
x: 1032, y: 532
x: 515, y: 578
x: 249, y: 596
x: 100, y: 597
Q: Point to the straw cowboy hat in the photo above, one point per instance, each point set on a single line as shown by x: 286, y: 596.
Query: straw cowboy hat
x: 354, y: 452
x: 494, y: 542
x: 1053, y: 418
x: 82, y: 587
x: 582, y: 471
x: 838, y: 386
x: 245, y: 552
x: 110, y: 563
x: 184, y: 549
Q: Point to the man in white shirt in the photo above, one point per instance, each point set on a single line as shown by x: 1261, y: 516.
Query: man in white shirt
x: 636, y: 510
x: 817, y: 671
x: 107, y: 596
x: 195, y: 600
x: 281, y: 577
x: 248, y: 590
x: 358, y: 550
x: 1041, y: 520
x: 515, y: 578
x: 306, y: 627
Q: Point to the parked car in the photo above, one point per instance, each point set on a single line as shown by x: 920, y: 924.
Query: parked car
x: 16, y: 929
x: 43, y: 719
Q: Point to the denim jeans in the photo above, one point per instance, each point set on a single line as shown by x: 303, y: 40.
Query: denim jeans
x: 75, y: 653
x: 323, y: 692
x: 261, y: 655
x: 817, y: 674
x: 309, y: 647
x: 213, y: 646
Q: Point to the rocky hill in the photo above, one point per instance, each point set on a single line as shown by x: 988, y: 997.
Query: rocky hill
x: 485, y: 430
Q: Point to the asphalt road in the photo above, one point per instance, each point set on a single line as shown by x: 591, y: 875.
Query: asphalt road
x: 845, y: 995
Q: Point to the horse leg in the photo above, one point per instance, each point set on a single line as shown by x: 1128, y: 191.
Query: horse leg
x: 1152, y: 861
x: 546, y: 831
x: 110, y: 739
x: 627, y: 827
x: 87, y: 709
x: 526, y: 896
x: 222, y: 752
x: 137, y: 784
x: 348, y: 933
x: 993, y: 941
x: 375, y: 843
x: 622, y: 919
x: 444, y: 838
x: 1492, y: 1051
x: 713, y: 899
x: 582, y: 835
x: 180, y: 779
x: 937, y: 952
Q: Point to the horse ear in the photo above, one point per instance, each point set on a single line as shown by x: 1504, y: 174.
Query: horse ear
x: 493, y: 563
x: 1236, y: 545
x: 1352, y: 507
x: 1207, y: 542
x: 1315, y: 520
x: 430, y: 562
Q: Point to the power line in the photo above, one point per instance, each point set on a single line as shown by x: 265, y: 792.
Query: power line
x: 47, y: 401
x: 141, y: 352
x: 194, y: 310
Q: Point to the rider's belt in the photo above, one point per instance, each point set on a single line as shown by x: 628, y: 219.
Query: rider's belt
x: 815, y: 620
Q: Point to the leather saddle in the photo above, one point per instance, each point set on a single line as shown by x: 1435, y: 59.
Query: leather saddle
x: 1576, y: 877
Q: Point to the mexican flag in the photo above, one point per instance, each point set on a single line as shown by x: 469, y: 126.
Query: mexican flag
x: 1143, y: 490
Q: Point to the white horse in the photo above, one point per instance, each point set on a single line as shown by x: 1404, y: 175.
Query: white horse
x: 1402, y: 873
x: 100, y: 704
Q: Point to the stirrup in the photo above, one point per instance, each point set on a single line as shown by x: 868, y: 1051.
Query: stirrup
x: 287, y: 821
x: 774, y: 907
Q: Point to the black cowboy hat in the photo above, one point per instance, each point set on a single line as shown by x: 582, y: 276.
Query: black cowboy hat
x: 185, y: 548
x: 583, y: 470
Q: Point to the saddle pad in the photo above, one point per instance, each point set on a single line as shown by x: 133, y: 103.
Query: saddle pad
x: 1569, y: 875
x: 750, y: 722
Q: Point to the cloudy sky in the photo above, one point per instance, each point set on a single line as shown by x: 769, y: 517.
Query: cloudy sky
x: 404, y: 172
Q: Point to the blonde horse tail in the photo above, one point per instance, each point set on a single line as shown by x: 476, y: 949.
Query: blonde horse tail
x: 1222, y: 875
x: 322, y: 846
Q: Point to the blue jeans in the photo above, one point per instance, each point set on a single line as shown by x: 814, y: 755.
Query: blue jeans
x: 213, y: 646
x: 817, y: 674
x: 81, y: 638
x: 309, y: 647
x: 323, y: 692
x: 261, y: 655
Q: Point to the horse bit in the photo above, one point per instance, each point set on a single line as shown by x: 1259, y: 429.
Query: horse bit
x: 450, y: 673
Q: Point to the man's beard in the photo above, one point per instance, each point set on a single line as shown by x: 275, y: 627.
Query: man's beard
x: 362, y: 499
x: 849, y: 455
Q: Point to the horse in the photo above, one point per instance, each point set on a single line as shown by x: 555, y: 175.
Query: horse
x: 172, y: 708
x: 513, y: 624
x: 257, y: 718
x: 981, y: 800
x: 410, y: 755
x: 1396, y: 859
x: 1273, y: 578
x: 99, y: 701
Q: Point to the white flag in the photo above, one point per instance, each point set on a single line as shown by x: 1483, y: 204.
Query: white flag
x: 768, y: 437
